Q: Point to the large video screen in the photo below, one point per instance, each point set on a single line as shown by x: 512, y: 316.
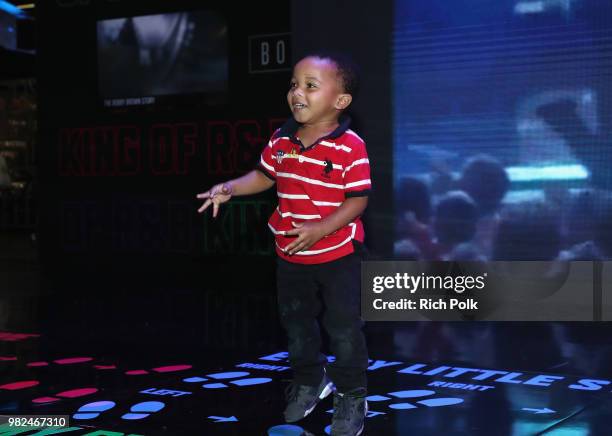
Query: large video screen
x: 144, y: 57
x: 502, y: 129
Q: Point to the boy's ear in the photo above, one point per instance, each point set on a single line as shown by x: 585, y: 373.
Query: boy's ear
x: 343, y: 101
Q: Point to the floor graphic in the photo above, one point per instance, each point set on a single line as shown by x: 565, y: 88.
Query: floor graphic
x: 246, y: 397
x: 137, y: 411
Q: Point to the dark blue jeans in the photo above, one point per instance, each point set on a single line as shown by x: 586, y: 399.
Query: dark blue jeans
x: 299, y: 305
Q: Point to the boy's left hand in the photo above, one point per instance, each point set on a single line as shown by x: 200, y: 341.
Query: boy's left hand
x: 307, y: 234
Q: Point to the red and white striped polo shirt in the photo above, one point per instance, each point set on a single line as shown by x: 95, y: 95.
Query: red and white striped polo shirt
x: 312, y: 183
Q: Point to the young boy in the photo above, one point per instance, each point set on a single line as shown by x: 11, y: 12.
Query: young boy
x: 322, y: 176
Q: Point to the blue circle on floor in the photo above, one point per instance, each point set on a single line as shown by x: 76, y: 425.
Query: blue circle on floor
x: 285, y: 430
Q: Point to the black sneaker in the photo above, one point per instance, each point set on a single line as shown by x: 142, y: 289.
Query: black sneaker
x: 350, y: 409
x: 302, y: 399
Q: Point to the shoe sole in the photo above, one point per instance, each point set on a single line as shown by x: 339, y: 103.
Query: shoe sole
x: 324, y: 393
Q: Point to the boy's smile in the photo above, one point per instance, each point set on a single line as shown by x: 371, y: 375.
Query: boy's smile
x: 316, y: 96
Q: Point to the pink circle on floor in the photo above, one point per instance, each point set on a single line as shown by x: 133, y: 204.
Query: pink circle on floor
x: 43, y: 400
x: 172, y: 368
x: 75, y: 393
x: 71, y: 360
x: 136, y: 372
x: 19, y: 385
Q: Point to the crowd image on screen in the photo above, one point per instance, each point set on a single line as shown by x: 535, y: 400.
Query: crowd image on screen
x: 465, y: 218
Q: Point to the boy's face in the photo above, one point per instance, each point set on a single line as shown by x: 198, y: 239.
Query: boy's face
x: 316, y: 93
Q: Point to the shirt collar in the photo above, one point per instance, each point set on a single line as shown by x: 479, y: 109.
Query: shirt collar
x: 291, y: 126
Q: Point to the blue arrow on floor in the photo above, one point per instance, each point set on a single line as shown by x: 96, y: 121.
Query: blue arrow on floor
x: 224, y: 418
x: 538, y: 411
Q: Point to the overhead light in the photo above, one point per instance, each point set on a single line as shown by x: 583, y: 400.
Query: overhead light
x: 523, y: 7
x: 549, y: 172
x: 27, y: 6
x: 529, y: 7
x: 12, y: 9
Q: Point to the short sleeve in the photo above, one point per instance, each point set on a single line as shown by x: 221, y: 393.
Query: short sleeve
x: 356, y: 175
x: 267, y: 161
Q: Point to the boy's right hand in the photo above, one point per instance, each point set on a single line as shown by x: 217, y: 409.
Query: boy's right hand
x: 216, y: 195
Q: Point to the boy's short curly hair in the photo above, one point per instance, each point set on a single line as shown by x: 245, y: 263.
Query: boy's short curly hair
x: 347, y: 68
